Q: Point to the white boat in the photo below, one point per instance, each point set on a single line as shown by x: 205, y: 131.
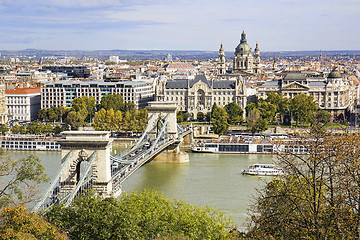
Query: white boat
x: 263, y: 170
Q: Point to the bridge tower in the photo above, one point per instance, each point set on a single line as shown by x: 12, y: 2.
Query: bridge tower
x: 84, y: 148
x: 160, y: 110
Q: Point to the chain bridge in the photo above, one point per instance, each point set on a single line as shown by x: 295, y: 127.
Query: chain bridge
x: 87, y: 162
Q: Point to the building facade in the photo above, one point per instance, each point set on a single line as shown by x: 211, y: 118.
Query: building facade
x: 198, y: 94
x: 3, y: 113
x: 244, y: 61
x: 23, y: 104
x: 62, y: 93
x: 331, y: 93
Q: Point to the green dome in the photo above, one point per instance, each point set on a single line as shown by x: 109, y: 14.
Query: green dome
x: 334, y: 74
x: 243, y: 48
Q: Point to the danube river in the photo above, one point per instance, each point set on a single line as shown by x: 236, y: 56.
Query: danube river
x: 208, y: 179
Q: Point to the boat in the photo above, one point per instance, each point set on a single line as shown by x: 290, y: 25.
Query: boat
x: 246, y: 147
x: 263, y: 170
x: 234, y: 148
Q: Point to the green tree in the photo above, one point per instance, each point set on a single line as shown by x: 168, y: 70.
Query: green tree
x: 75, y: 120
x: 200, y: 116
x: 114, y: 101
x: 219, y: 120
x: 36, y: 128
x: 179, y: 116
x: 302, y: 108
x: 235, y: 113
x: 86, y: 106
x: 48, y: 128
x: 20, y: 179
x: 3, y: 129
x: 267, y: 110
x: 15, y: 129
x: 17, y: 223
x: 43, y: 114
x: 54, y: 114
x: 254, y: 121
x: 281, y: 103
x: 147, y: 215
x: 23, y: 129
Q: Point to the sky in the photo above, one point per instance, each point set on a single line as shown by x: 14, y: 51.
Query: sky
x: 277, y: 25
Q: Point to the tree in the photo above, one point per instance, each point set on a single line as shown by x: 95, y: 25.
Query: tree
x: 21, y: 177
x: 3, y: 129
x: 267, y: 110
x: 319, y: 196
x: 15, y: 129
x: 48, y: 128
x: 36, y: 128
x: 43, y: 114
x: 75, y: 120
x: 147, y: 215
x: 235, y: 113
x: 54, y: 114
x: 219, y: 117
x: 302, y: 108
x: 200, y: 116
x: 281, y: 103
x: 85, y: 106
x: 255, y: 123
x: 114, y: 101
x: 17, y: 223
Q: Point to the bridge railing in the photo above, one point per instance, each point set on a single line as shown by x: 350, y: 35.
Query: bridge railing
x: 50, y: 196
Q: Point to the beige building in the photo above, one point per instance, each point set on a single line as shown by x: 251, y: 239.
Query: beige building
x: 198, y: 94
x: 3, y: 114
x: 331, y: 93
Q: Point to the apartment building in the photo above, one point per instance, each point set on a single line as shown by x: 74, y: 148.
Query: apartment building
x: 62, y: 93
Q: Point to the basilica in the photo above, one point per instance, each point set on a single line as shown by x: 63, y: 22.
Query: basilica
x: 245, y: 62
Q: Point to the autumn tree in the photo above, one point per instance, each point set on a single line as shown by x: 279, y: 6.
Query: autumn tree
x: 18, y: 223
x: 318, y: 197
x: 114, y: 101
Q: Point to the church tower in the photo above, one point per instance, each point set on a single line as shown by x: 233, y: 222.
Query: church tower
x: 221, y: 61
x: 257, y: 59
x: 243, y: 59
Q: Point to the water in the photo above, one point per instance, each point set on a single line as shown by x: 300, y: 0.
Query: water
x: 208, y: 179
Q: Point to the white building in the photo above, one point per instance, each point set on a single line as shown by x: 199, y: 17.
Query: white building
x: 23, y: 103
x: 62, y: 93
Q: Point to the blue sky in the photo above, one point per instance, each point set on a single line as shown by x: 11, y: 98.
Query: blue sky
x: 278, y: 25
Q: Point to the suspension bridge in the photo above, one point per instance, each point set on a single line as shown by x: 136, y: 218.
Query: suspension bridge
x: 87, y: 162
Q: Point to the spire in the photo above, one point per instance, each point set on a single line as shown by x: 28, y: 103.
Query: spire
x: 257, y: 47
x: 243, y: 37
x: 221, y: 47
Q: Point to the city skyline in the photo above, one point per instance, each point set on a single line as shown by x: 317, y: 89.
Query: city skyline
x: 282, y: 25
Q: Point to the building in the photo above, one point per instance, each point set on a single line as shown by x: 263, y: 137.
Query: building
x: 62, y: 93
x: 198, y: 94
x: 244, y: 61
x: 331, y: 93
x: 3, y: 113
x: 23, y: 104
x: 71, y: 71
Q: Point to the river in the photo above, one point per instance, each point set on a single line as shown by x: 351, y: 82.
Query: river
x: 208, y: 179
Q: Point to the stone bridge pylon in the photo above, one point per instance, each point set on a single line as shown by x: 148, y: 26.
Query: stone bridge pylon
x: 84, y: 148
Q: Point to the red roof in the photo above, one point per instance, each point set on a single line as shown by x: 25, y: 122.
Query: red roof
x: 23, y: 90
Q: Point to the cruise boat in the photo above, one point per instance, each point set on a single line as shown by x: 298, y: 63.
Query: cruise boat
x: 264, y: 147
x: 234, y: 148
x: 263, y: 170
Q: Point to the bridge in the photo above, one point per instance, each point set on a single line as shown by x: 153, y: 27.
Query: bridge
x: 87, y: 162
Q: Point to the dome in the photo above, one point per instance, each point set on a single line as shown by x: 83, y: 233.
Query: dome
x: 334, y: 74
x: 243, y: 48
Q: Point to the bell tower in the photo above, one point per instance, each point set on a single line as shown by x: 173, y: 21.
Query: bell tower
x: 257, y: 59
x: 221, y: 61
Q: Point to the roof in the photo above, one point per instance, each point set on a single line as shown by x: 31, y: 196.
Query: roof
x: 184, y: 84
x: 295, y: 76
x: 334, y: 74
x: 23, y: 91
